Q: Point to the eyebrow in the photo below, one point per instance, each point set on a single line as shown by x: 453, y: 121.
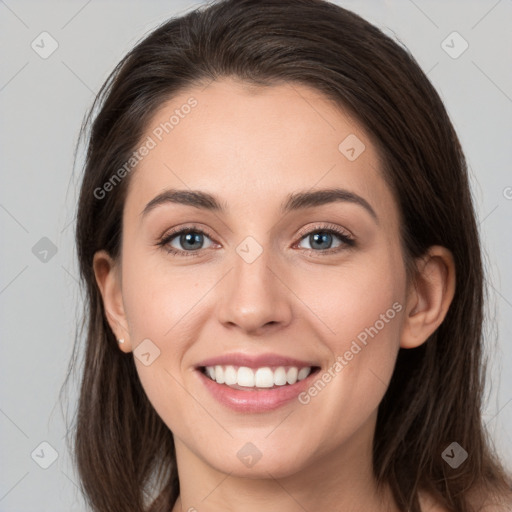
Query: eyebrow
x: 293, y: 202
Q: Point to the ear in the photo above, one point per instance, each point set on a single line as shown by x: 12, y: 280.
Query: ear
x: 429, y: 296
x: 108, y: 277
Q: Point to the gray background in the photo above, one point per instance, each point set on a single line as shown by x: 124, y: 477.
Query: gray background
x: 43, y: 102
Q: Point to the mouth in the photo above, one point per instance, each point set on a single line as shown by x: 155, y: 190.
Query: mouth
x: 244, y: 378
x: 249, y: 386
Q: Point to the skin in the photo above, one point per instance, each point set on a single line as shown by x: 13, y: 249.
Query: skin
x: 251, y: 147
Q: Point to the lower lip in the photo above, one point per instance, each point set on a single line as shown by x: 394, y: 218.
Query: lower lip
x: 259, y: 400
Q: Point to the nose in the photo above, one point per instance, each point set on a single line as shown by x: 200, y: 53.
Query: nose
x: 255, y: 297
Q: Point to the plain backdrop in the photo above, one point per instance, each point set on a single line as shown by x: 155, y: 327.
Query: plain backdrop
x: 43, y: 101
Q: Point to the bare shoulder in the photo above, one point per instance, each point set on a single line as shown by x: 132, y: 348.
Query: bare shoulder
x: 429, y: 504
x: 480, y: 502
x: 484, y: 502
x: 501, y: 506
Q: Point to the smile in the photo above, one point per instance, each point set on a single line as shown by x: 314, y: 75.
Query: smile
x: 243, y: 377
x: 255, y: 383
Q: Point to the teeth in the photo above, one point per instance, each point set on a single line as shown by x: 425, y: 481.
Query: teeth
x: 291, y: 375
x: 264, y: 378
x: 230, y: 376
x: 303, y: 373
x: 280, y: 376
x: 260, y: 378
x: 245, y: 377
x: 219, y: 374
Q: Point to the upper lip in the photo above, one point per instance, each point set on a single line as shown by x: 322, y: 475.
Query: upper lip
x: 254, y: 361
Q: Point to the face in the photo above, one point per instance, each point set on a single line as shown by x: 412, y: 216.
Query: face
x: 296, y: 302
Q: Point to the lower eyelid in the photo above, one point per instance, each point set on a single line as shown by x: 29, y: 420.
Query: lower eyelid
x: 167, y: 239
x: 345, y: 239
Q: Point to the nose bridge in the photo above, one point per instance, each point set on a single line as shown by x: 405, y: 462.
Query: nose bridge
x: 253, y: 296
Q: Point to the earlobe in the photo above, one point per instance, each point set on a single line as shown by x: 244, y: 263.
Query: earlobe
x: 430, y: 296
x: 107, y: 275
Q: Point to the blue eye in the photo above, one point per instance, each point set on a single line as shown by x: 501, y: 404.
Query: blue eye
x: 191, y: 239
x: 321, y: 237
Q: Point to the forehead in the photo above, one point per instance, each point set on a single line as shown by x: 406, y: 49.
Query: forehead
x: 245, y: 143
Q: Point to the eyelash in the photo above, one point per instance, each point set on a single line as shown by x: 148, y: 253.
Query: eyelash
x: 347, y: 240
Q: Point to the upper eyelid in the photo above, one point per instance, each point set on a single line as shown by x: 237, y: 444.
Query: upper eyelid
x: 336, y: 230
x: 169, y: 235
x: 325, y: 227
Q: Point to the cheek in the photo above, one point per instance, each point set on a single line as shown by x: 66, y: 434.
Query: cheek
x: 355, y: 300
x: 163, y: 306
x: 159, y: 302
x: 363, y: 309
x: 347, y: 307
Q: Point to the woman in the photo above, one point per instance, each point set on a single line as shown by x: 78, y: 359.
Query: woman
x: 256, y: 369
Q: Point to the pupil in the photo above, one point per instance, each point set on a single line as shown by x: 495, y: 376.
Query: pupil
x: 190, y: 238
x: 318, y: 239
x: 322, y: 236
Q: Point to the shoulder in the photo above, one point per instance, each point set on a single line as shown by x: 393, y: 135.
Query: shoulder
x: 480, y: 501
x: 488, y: 503
x: 429, y: 504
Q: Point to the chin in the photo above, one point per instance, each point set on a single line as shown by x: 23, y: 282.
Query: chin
x: 248, y: 461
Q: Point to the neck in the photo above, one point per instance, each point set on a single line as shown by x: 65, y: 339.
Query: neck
x: 340, y: 480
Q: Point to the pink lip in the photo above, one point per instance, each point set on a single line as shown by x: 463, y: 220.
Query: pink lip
x: 258, y: 361
x: 256, y: 400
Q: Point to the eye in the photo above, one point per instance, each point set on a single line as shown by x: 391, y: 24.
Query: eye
x: 189, y: 238
x: 322, y: 236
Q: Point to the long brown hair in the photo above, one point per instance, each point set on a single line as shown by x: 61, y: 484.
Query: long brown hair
x: 123, y: 450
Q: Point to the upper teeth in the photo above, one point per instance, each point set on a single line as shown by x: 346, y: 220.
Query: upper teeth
x: 260, y: 378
